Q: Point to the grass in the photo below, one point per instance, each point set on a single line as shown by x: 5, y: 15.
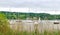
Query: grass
x: 46, y: 32
x: 35, y: 33
x: 32, y: 33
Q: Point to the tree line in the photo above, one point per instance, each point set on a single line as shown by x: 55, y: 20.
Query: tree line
x: 20, y: 15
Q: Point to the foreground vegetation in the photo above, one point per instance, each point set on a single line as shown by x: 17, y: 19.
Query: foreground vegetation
x: 31, y: 33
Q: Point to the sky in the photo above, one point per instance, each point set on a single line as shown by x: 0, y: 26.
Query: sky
x: 35, y: 6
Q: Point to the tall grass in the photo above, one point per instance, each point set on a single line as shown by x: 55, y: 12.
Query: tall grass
x: 32, y: 33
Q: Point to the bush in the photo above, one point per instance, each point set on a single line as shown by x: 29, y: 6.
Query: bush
x: 4, y: 24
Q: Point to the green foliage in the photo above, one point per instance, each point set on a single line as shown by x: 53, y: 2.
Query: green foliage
x: 4, y: 25
x: 23, y: 16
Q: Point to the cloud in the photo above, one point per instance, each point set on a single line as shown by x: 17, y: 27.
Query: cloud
x: 43, y: 4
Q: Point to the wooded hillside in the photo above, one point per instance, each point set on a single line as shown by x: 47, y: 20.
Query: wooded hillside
x: 20, y: 15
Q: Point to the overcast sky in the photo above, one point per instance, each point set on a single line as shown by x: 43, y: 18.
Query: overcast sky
x: 35, y: 5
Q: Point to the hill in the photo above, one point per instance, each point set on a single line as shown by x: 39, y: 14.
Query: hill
x: 23, y: 16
